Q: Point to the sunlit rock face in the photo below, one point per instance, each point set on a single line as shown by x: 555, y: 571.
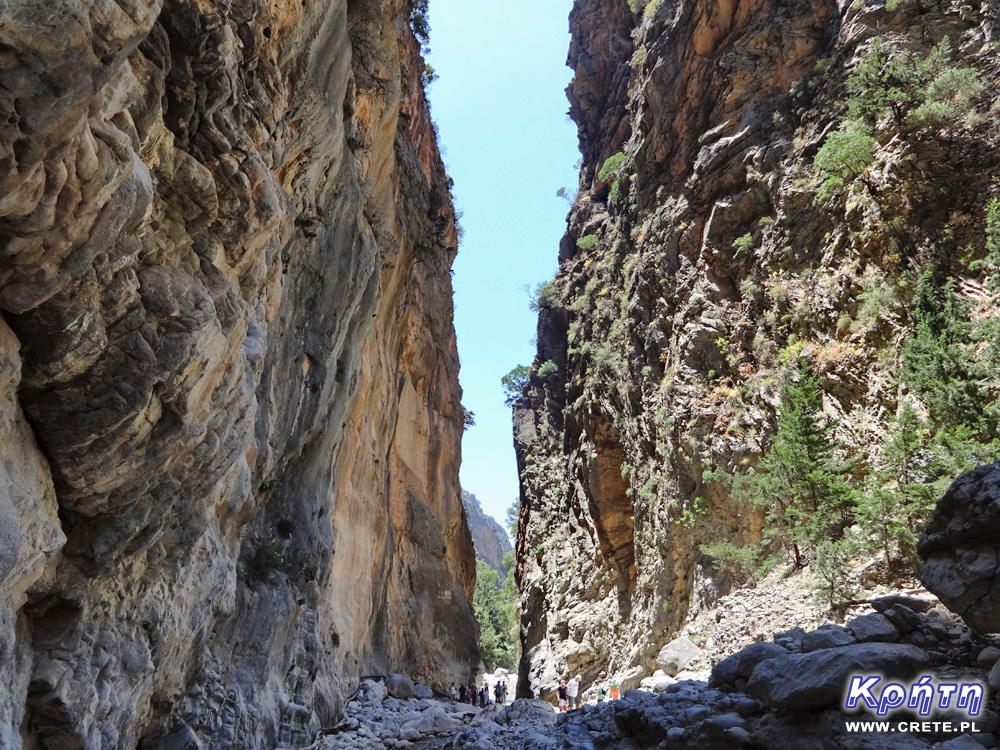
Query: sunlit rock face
x: 229, y: 411
x: 690, y: 276
x: 488, y: 536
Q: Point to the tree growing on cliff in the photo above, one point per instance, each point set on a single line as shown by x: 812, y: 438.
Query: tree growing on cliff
x: 800, y: 482
x: 514, y: 383
x: 495, y: 612
x: 940, y: 362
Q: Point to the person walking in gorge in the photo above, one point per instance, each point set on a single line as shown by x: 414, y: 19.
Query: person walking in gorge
x: 573, y: 692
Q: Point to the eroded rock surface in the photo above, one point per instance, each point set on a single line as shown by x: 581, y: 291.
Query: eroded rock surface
x: 701, y: 257
x: 229, y: 410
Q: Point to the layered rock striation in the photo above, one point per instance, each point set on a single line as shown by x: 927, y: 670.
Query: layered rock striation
x: 704, y: 253
x: 230, y: 419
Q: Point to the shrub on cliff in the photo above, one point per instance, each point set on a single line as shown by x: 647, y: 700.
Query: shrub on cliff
x: 845, y: 155
x: 612, y: 168
x: 895, y: 83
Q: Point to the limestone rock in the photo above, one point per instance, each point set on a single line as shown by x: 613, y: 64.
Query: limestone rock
x: 882, y: 603
x: 677, y: 656
x: 805, y: 682
x: 400, y: 686
x: 421, y: 691
x: 227, y: 372
x: 488, y: 536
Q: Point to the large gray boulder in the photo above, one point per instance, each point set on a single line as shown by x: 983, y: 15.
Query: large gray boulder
x: 754, y: 654
x: 677, y: 656
x: 400, y: 686
x: 873, y: 628
x: 961, y: 548
x: 422, y: 691
x: 827, y: 636
x: 817, y: 680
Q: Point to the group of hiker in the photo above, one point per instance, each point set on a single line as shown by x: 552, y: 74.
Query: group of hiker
x: 479, y: 696
x: 568, y: 693
x: 569, y: 696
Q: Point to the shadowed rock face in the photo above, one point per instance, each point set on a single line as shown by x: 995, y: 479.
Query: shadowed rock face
x: 961, y: 552
x: 229, y: 409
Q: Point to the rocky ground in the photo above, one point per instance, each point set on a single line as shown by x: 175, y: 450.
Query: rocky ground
x: 782, y: 692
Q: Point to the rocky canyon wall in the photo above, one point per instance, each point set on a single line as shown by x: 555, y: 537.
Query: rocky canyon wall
x: 702, y: 256
x: 230, y: 419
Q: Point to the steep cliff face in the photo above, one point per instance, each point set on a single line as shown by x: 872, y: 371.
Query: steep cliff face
x: 230, y: 419
x: 488, y: 537
x: 703, y: 254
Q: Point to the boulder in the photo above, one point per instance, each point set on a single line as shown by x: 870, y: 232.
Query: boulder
x: 994, y: 677
x: 756, y: 653
x: 960, y: 548
x: 724, y: 673
x: 873, y: 628
x: 988, y: 657
x: 400, y: 686
x: 806, y: 682
x: 827, y: 636
x: 677, y: 655
x: 422, y: 691
x: 370, y: 691
x: 882, y: 603
x: 527, y: 710
x: 904, y: 618
x: 657, y: 682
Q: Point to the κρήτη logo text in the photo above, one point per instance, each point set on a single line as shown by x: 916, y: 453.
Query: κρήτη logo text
x: 923, y: 696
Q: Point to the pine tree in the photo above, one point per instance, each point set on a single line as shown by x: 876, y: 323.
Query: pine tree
x: 800, y: 482
x: 939, y: 361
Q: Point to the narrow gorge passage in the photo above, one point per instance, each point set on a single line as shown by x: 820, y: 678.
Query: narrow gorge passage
x: 753, y: 433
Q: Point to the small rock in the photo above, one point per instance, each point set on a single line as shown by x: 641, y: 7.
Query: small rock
x: 994, y: 678
x: 936, y: 629
x: 748, y: 707
x: 965, y: 742
x: 739, y: 734
x: 727, y: 721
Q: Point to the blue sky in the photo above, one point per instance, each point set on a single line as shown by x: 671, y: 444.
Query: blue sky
x: 501, y: 110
